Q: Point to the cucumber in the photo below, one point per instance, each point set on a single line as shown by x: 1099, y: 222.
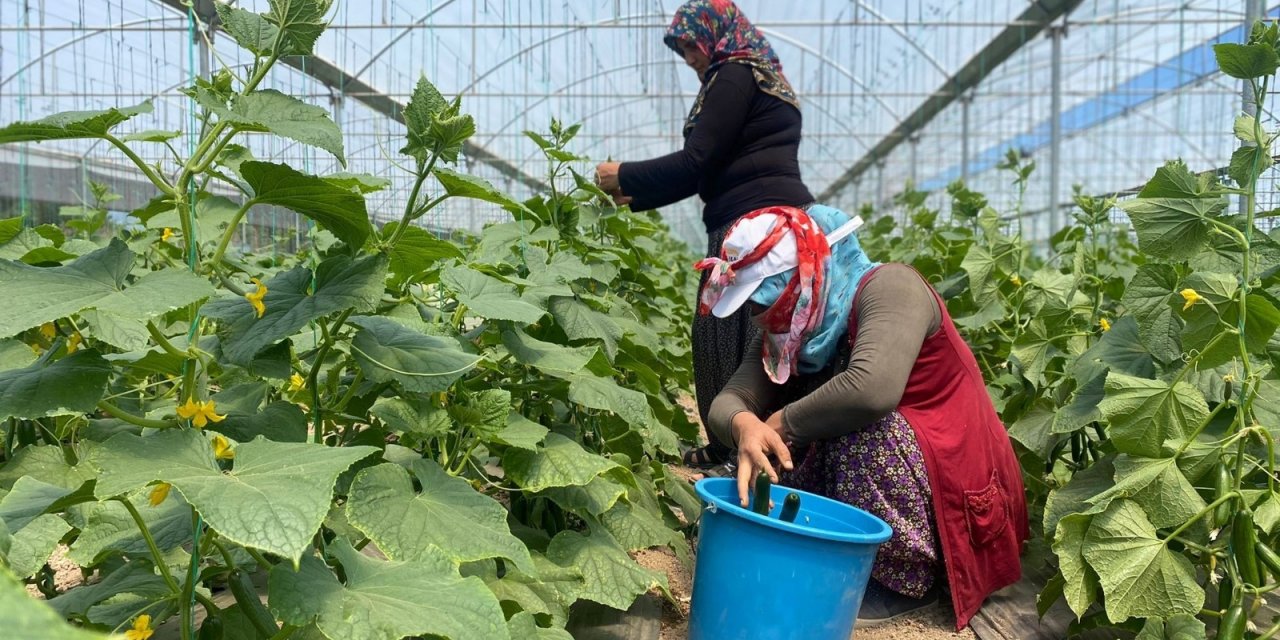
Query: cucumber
x: 761, y: 503
x: 790, y: 507
x: 247, y: 597
x: 1231, y: 626
x: 1221, y: 487
x: 210, y: 630
x: 1243, y: 541
x: 1226, y: 592
x: 1269, y: 558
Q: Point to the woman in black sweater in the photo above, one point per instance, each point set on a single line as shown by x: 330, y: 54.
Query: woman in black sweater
x: 740, y: 154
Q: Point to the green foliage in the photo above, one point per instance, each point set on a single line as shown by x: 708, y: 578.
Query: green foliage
x: 479, y: 415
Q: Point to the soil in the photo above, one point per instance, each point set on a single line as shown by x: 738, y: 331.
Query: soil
x: 933, y: 624
x: 66, y: 574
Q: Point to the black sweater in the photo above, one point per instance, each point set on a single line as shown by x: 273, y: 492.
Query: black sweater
x: 740, y: 155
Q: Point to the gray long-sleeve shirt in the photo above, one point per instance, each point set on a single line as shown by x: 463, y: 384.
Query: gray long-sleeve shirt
x: 896, y: 311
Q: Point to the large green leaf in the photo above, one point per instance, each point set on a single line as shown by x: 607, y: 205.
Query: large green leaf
x: 300, y: 23
x: 604, y: 394
x: 560, y: 463
x: 1033, y: 349
x: 1149, y: 298
x: 279, y: 421
x: 15, y: 354
x: 595, y: 497
x: 1034, y: 430
x: 1171, y: 213
x: 387, y: 351
x: 33, y: 544
x: 547, y: 357
x: 337, y: 209
x: 412, y: 414
x: 71, y: 385
x: 581, y: 322
x: 274, y: 499
x: 1149, y: 416
x: 448, y: 515
x: 110, y: 529
x: 27, y: 617
x: 1081, y: 582
x: 417, y: 250
x: 36, y: 295
x: 1139, y: 575
x: 1178, y: 627
x: 484, y: 413
x: 521, y: 432
x: 489, y: 297
x: 524, y: 625
x: 461, y: 185
x: 1246, y: 61
x: 136, y: 578
x: 268, y: 110
x: 47, y: 464
x: 1158, y: 486
x: 612, y: 578
x: 250, y: 30
x: 70, y: 124
x: 1075, y: 495
x: 340, y: 283
x: 636, y: 528
x: 1120, y: 350
x: 385, y: 600
x: 29, y: 499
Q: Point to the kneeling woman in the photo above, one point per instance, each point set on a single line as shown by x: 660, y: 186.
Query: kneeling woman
x: 863, y: 391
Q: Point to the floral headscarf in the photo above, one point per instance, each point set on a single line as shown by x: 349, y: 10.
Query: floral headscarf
x: 808, y: 305
x: 725, y: 36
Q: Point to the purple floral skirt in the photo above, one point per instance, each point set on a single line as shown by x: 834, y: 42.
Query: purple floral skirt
x: 880, y: 469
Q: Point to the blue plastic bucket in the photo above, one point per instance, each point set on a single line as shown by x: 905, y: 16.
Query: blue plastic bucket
x: 760, y: 578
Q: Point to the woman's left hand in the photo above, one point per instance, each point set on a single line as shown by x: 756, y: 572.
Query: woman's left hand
x: 757, y: 440
x: 607, y: 177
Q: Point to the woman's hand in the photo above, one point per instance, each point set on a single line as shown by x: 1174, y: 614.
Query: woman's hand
x: 757, y: 440
x: 607, y: 180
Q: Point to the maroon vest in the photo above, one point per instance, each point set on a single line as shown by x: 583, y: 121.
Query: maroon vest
x: 978, y: 499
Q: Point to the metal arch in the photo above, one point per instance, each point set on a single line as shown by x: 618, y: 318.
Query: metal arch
x: 833, y: 64
x: 398, y: 36
x: 901, y: 32
x: 83, y: 36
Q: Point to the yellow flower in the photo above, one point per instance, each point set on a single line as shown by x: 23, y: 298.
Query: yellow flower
x: 199, y: 413
x: 141, y: 628
x: 73, y: 342
x: 256, y: 297
x: 1191, y: 297
x: 296, y: 383
x: 168, y: 233
x: 1105, y: 324
x: 48, y: 330
x: 159, y: 493
x: 222, y: 448
x: 1229, y: 378
x: 1017, y: 281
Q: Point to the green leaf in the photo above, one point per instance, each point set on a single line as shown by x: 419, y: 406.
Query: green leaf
x: 604, y: 394
x: 1081, y: 582
x: 547, y: 357
x: 339, y: 210
x: 424, y: 104
x: 560, y: 463
x: 412, y: 414
x: 15, y: 355
x: 300, y: 23
x: 388, y: 351
x: 1034, y: 430
x: 37, y: 295
x: 360, y: 182
x: 581, y: 322
x: 33, y: 544
x: 250, y: 30
x: 489, y: 297
x: 70, y: 124
x: 1247, y: 163
x: 1178, y: 627
x: 269, y: 111
x: 116, y: 330
x: 1246, y: 61
x: 1148, y: 297
x: 27, y: 617
x: 340, y: 283
x: 1149, y: 416
x: 461, y: 185
x: 1033, y: 349
x: 279, y: 421
x: 152, y: 135
x: 485, y: 413
x: 1120, y: 350
x: 1174, y: 228
x: 135, y: 578
x: 110, y: 529
x: 447, y: 516
x: 71, y: 385
x: 595, y: 497
x: 274, y: 498
x: 981, y: 266
x: 47, y: 464
x: 523, y: 625
x: 417, y: 250
x: 29, y: 499
x: 612, y: 578
x: 521, y: 432
x: 10, y: 228
x: 1158, y: 486
x: 1075, y: 495
x: 1139, y: 575
x: 383, y: 600
x: 635, y: 528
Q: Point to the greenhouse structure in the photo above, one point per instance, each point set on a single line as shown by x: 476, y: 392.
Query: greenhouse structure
x: 331, y: 319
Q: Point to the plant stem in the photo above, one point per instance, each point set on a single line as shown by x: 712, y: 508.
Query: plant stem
x: 351, y: 391
x: 413, y: 199
x: 156, y: 180
x: 156, y: 556
x: 313, y: 376
x: 164, y: 342
x: 284, y: 633
x: 257, y: 557
x: 120, y: 414
x: 1203, y: 512
x: 231, y: 228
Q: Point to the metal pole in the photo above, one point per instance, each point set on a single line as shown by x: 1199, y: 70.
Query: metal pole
x: 1055, y: 129
x: 879, y: 183
x: 915, y: 148
x: 965, y: 101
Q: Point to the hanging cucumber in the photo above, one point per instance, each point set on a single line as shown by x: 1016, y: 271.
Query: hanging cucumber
x: 247, y: 597
x: 1268, y: 558
x: 761, y: 503
x: 211, y: 629
x: 1243, y: 541
x: 1226, y: 589
x: 1221, y: 487
x: 1232, y: 624
x: 790, y: 507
